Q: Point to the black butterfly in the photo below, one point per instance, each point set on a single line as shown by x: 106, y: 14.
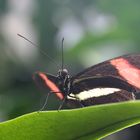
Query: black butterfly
x: 114, y: 80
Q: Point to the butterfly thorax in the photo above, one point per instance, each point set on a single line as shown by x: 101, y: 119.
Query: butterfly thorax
x: 64, y: 81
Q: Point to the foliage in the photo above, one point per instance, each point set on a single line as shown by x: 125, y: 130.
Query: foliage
x: 87, y: 123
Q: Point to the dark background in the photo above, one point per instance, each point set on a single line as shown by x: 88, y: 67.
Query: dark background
x: 94, y: 31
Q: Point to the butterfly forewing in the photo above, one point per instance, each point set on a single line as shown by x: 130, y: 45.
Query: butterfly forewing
x: 125, y: 67
x: 100, y: 82
x: 48, y: 81
x: 40, y: 82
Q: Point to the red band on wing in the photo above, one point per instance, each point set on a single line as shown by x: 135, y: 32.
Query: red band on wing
x: 52, y: 86
x: 127, y: 71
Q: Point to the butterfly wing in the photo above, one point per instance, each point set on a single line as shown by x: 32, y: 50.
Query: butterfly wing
x: 100, y: 82
x: 100, y: 90
x: 48, y: 82
x: 117, y: 96
x: 40, y: 82
x: 114, y: 80
x: 126, y: 68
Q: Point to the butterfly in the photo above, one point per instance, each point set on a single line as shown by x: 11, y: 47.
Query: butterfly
x: 114, y: 80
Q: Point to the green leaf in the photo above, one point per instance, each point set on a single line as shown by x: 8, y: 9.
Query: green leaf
x: 89, y: 123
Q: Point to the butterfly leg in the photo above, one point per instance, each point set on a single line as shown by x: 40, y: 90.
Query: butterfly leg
x: 46, y: 100
x: 62, y: 103
x: 45, y: 103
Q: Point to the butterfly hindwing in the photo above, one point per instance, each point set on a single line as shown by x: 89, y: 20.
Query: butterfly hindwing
x: 117, y: 96
x: 99, y: 90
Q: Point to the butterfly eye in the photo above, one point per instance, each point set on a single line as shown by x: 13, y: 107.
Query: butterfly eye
x: 62, y: 73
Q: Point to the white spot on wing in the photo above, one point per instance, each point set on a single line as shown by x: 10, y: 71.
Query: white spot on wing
x: 96, y: 92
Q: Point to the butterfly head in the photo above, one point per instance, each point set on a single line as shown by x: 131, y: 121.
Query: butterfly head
x: 63, y: 73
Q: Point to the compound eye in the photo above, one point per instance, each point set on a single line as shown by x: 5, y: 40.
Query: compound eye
x: 65, y: 70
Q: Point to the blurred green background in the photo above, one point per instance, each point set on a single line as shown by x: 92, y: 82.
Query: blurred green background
x: 94, y: 31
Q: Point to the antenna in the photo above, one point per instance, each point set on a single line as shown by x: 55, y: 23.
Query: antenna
x: 62, y: 53
x: 41, y: 51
